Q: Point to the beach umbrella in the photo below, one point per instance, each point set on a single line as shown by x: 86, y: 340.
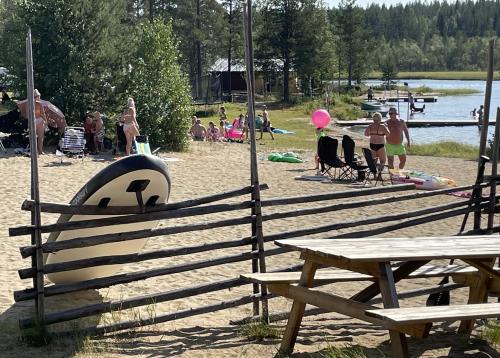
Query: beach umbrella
x: 55, y: 117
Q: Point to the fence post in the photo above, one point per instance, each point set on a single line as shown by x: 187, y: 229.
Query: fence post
x: 36, y: 236
x: 494, y: 172
x: 256, y: 211
x: 484, y: 125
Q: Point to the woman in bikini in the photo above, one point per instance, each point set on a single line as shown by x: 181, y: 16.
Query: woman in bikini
x: 130, y: 125
x: 377, y: 132
x: 40, y: 122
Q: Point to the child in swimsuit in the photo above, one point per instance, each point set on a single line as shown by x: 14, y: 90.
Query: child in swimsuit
x: 212, y: 132
x: 377, y: 132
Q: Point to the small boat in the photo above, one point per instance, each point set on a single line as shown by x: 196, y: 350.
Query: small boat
x: 374, y: 106
x: 371, y: 106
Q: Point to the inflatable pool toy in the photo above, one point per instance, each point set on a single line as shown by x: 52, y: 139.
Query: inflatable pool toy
x: 288, y: 157
x: 233, y: 133
x: 115, y: 185
x: 421, y: 179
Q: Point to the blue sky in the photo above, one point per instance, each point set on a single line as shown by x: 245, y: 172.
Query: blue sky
x: 364, y: 3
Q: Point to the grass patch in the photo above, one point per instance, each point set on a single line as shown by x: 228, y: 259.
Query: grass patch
x: 445, y: 91
x: 441, y: 75
x: 293, y: 118
x: 348, y: 351
x: 258, y: 331
x: 445, y: 149
x: 36, y: 336
x: 492, y: 333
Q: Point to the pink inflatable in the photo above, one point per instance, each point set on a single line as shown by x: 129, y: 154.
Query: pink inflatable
x: 320, y: 118
x: 233, y: 133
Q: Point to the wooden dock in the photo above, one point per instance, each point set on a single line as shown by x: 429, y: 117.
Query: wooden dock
x: 426, y: 99
x: 412, y: 123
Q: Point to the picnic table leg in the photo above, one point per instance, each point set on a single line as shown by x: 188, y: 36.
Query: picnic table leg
x: 478, y: 293
x: 389, y: 297
x: 400, y: 273
x: 297, y: 311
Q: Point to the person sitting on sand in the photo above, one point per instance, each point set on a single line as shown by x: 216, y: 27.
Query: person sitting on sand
x: 198, y: 131
x: 212, y: 132
x: 377, y: 132
x: 223, y: 127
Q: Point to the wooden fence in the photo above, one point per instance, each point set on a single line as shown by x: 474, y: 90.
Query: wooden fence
x: 286, y: 208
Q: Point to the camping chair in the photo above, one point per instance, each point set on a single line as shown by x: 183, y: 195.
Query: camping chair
x: 352, y: 160
x: 328, y: 158
x: 141, y: 143
x: 372, y: 168
x: 73, y: 142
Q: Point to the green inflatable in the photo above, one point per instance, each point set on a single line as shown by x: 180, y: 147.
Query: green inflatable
x: 288, y: 157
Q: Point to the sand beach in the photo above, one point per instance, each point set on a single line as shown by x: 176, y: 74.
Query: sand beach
x: 209, y: 168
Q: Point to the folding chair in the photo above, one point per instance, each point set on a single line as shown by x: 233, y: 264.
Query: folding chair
x: 354, y: 163
x: 141, y: 143
x: 372, y: 168
x: 73, y: 142
x: 328, y: 158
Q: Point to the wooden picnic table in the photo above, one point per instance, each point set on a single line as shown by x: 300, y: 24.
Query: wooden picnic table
x: 373, y: 256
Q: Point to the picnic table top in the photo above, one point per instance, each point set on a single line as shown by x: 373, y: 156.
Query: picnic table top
x: 399, y: 249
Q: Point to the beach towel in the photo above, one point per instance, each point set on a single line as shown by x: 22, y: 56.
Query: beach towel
x: 282, y: 131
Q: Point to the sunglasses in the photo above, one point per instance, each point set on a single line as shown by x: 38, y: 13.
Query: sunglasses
x: 392, y: 113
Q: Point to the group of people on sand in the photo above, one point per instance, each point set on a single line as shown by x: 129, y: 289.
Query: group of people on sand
x: 198, y: 132
x: 93, y: 125
x: 127, y: 123
x: 386, y: 139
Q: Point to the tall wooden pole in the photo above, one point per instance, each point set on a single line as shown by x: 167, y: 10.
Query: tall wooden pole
x: 257, y: 209
x: 494, y: 172
x: 36, y: 238
x: 230, y: 49
x: 486, y: 119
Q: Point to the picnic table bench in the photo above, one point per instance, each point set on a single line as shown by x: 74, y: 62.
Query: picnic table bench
x: 369, y: 259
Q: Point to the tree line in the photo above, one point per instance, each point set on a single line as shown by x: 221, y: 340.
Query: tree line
x: 92, y: 53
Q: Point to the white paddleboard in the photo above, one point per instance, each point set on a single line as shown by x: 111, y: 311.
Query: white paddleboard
x: 109, y: 188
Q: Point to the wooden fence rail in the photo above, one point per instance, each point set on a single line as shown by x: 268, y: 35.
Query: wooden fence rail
x: 55, y: 208
x: 130, y: 219
x: 79, y: 242
x: 184, y: 209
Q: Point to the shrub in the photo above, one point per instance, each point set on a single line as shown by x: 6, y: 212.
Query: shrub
x: 161, y: 92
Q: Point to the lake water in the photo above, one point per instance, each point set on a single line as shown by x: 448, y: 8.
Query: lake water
x: 449, y: 107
